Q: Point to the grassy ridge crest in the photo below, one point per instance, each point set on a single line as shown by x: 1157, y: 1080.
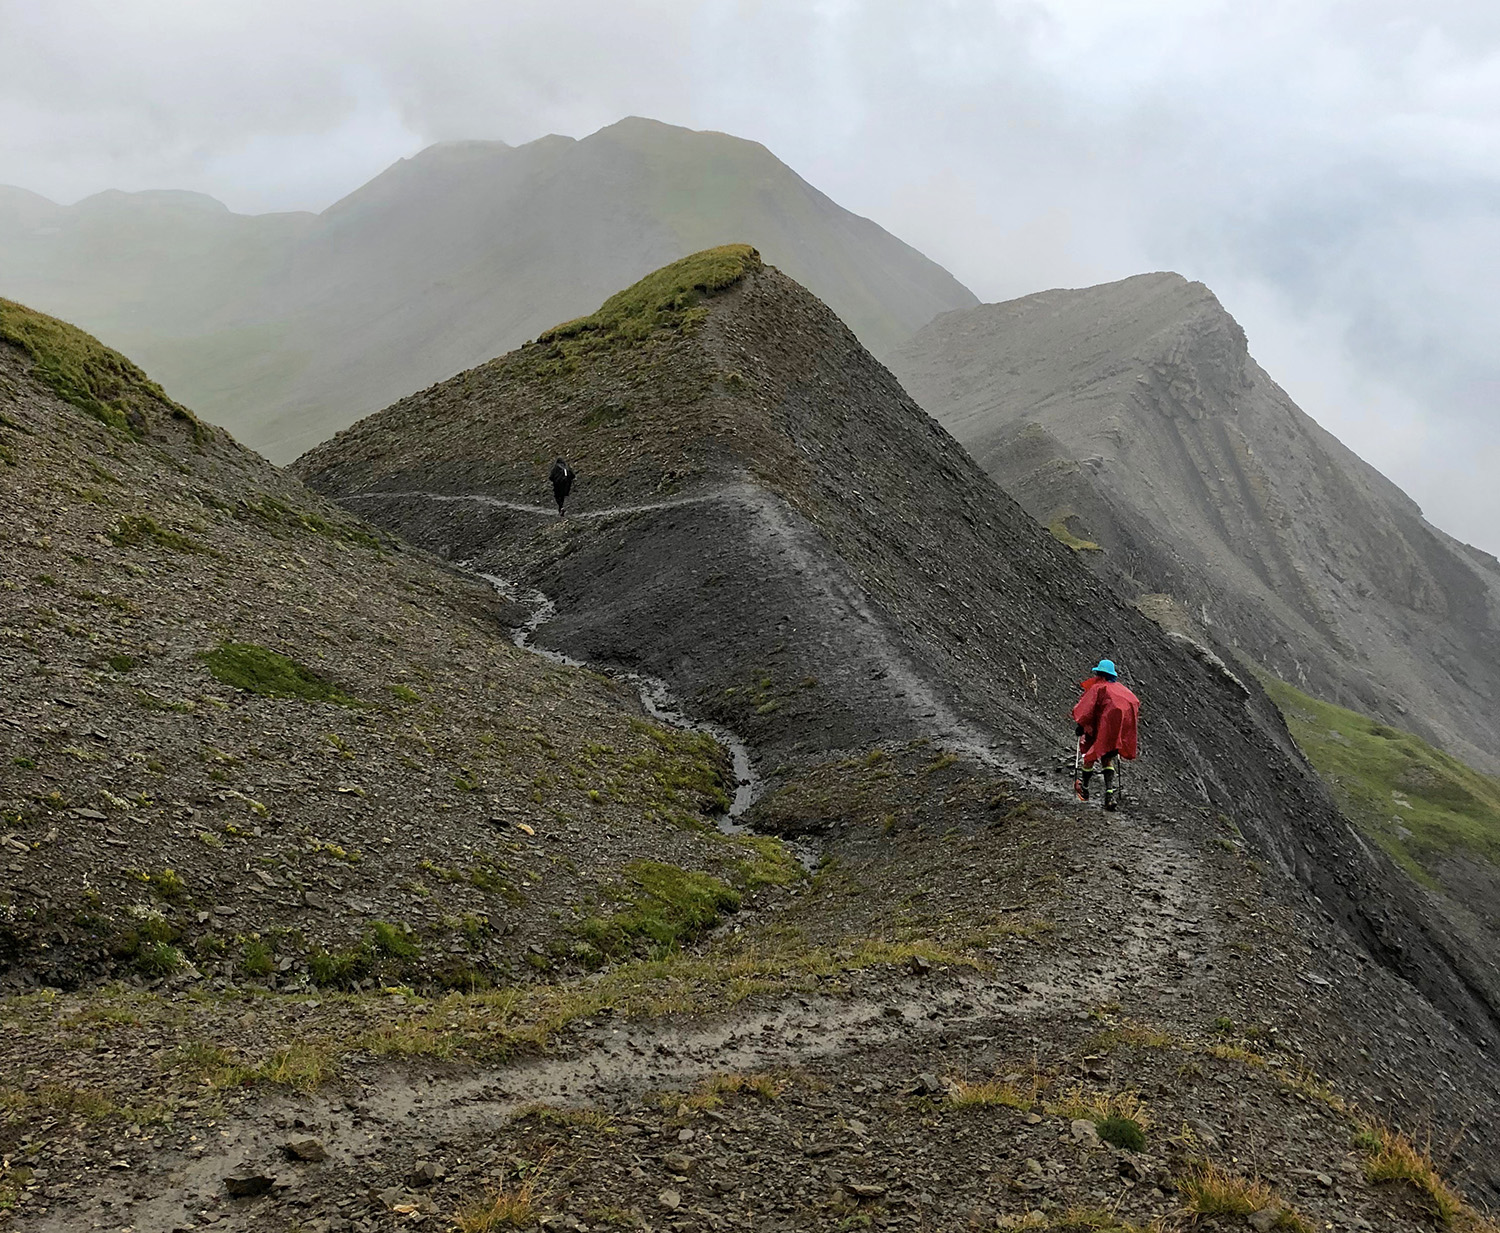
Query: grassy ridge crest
x: 83, y: 371
x: 668, y: 299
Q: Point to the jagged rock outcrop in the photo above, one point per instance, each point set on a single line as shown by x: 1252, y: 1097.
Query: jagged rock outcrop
x: 1131, y: 416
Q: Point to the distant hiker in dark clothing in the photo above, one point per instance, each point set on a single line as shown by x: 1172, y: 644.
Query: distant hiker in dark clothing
x: 562, y: 483
x: 1105, y: 718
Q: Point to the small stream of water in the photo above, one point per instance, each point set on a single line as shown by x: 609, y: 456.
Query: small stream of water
x: 656, y: 698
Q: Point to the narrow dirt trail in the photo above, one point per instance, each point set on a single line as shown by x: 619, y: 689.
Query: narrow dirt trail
x: 779, y: 532
x: 1151, y: 910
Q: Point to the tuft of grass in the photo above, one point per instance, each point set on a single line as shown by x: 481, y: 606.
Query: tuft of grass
x: 1137, y: 1035
x: 710, y: 1093
x: 1391, y: 1157
x: 258, y: 959
x: 340, y: 967
x: 664, y: 905
x: 589, y: 1119
x: 1209, y: 1190
x: 1058, y: 528
x: 1416, y: 802
x: 1123, y: 1132
x: 508, y: 1208
x: 407, y: 1038
x: 306, y: 1066
x: 133, y: 530
x: 167, y: 884
x: 668, y: 300
x: 83, y: 371
x: 1006, y: 1093
x: 209, y: 1064
x: 122, y: 663
x: 257, y: 670
x: 404, y: 693
x: 158, y: 959
x: 394, y: 941
x: 1097, y: 1107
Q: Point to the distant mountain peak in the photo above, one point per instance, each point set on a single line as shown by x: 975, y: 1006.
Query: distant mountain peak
x: 153, y: 198
x: 1131, y: 415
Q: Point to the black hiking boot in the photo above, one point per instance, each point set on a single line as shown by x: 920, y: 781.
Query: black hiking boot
x: 1110, y: 804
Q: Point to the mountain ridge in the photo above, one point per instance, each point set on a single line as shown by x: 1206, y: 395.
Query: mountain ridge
x: 976, y: 999
x: 286, y: 327
x: 1134, y: 414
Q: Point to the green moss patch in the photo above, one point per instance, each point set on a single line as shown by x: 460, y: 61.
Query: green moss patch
x: 134, y: 530
x: 277, y: 516
x: 260, y: 671
x: 83, y: 371
x: 1417, y: 802
x: 680, y: 769
x: 667, y: 300
x: 661, y: 905
x: 1063, y: 534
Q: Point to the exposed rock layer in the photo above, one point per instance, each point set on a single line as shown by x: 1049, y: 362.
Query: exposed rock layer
x: 1132, y: 416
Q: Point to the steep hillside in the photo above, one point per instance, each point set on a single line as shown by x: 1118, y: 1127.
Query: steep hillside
x: 768, y: 522
x: 1131, y: 417
x: 1437, y: 817
x: 284, y: 328
x: 415, y: 926
x: 248, y: 738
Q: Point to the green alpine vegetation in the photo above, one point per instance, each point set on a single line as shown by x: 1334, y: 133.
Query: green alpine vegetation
x: 82, y: 370
x: 247, y: 666
x: 1417, y: 802
x: 665, y: 300
x: 662, y: 904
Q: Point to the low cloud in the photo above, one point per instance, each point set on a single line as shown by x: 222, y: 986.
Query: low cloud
x: 1332, y: 169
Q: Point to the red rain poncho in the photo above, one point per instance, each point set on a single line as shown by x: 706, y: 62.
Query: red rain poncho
x: 1107, y: 713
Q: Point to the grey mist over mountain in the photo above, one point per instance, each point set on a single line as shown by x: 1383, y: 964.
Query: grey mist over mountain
x: 285, y: 328
x: 1131, y: 419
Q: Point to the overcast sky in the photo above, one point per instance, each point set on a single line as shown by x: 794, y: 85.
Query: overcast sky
x: 1332, y: 170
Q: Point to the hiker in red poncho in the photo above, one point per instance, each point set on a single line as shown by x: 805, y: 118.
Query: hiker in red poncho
x: 1106, y: 719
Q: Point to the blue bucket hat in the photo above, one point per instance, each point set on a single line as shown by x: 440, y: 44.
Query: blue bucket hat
x: 1107, y: 668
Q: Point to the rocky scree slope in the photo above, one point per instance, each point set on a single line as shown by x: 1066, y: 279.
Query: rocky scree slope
x: 248, y: 738
x: 936, y: 1029
x: 286, y: 327
x: 769, y: 522
x: 1131, y: 417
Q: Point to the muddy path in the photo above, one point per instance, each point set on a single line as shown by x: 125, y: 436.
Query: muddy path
x: 1141, y: 886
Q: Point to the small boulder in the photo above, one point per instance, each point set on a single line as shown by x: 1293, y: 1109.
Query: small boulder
x: 248, y: 1184
x: 676, y: 1162
x: 424, y: 1173
x: 1265, y: 1220
x: 929, y: 1085
x: 1085, y: 1132
x: 308, y: 1150
x: 670, y: 1200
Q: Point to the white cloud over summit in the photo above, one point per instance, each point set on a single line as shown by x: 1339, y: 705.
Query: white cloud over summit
x: 1332, y: 169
